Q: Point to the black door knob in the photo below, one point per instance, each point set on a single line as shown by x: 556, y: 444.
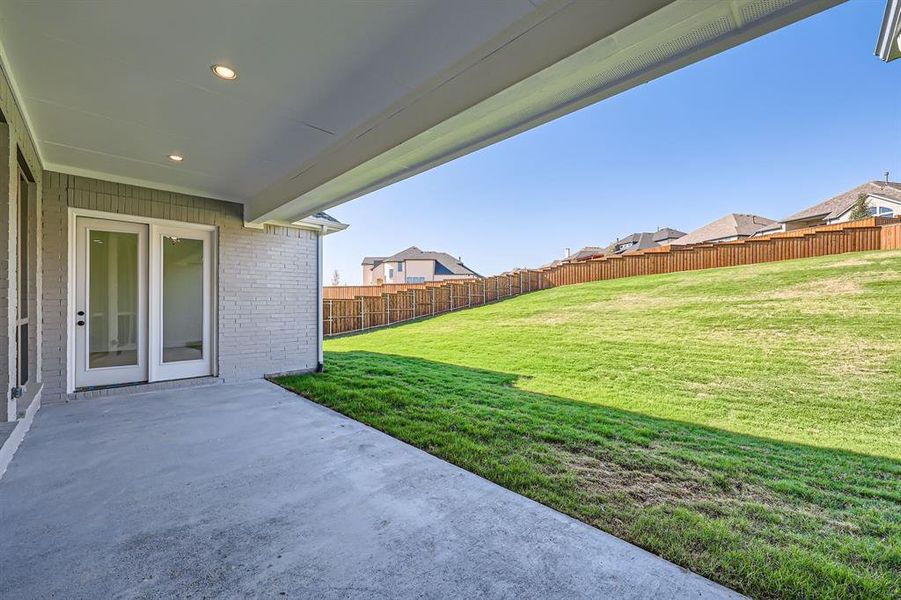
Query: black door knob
x: 80, y: 313
x: 79, y: 323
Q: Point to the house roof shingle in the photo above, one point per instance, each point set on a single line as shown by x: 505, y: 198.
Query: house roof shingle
x: 731, y: 225
x: 585, y: 253
x: 838, y: 205
x: 640, y: 241
x: 667, y: 233
x: 327, y: 217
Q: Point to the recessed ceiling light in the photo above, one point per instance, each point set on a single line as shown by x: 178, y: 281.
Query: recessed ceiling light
x: 176, y: 157
x: 223, y: 72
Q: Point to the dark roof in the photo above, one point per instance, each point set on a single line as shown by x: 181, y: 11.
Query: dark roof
x: 453, y: 265
x: 667, y: 233
x: 585, y: 252
x: 838, y: 205
x: 732, y: 225
x: 640, y: 241
x: 327, y: 217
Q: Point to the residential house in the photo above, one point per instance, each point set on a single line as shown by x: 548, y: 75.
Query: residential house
x: 734, y: 226
x: 883, y: 200
x: 645, y: 239
x: 414, y: 266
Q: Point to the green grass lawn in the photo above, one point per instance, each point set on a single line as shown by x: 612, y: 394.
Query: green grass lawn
x: 744, y: 423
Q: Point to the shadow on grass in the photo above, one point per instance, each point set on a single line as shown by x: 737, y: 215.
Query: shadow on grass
x: 768, y: 518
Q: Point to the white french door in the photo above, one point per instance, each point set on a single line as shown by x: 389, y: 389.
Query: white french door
x: 180, y: 302
x: 110, y: 302
x: 143, y: 298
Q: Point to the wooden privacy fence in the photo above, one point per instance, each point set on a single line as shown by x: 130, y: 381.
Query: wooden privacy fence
x: 378, y: 306
x: 891, y: 237
x: 339, y: 292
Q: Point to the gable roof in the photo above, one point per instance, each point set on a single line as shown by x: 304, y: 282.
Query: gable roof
x: 326, y: 217
x: 838, y: 205
x: 731, y: 225
x: 667, y: 233
x: 640, y: 241
x: 585, y: 252
x: 645, y: 239
x: 453, y: 265
x: 321, y: 222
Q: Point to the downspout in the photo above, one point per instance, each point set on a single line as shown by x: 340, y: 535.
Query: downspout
x: 319, y: 332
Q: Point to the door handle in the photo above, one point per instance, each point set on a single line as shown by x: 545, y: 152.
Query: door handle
x: 80, y: 313
x: 80, y: 323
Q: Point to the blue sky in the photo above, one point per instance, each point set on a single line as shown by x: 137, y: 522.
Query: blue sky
x: 769, y: 127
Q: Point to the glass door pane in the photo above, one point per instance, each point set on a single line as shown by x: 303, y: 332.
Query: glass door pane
x: 183, y: 299
x: 113, y: 288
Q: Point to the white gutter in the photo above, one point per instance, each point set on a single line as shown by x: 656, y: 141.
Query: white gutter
x: 319, y: 333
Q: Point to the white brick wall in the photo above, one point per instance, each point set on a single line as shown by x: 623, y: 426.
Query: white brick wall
x: 267, y: 314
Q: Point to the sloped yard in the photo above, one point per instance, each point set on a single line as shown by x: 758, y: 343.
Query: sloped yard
x: 744, y: 422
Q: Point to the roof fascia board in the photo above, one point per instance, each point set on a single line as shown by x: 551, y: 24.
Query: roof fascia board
x: 808, y: 217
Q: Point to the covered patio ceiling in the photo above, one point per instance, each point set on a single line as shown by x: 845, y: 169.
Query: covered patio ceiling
x: 333, y: 99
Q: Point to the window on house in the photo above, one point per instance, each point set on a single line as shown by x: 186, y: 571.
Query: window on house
x: 885, y: 211
x: 873, y: 211
x: 390, y: 273
x: 400, y: 267
x: 415, y: 279
x: 440, y: 269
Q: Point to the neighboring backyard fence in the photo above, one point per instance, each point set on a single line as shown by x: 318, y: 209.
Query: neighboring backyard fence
x: 357, y: 308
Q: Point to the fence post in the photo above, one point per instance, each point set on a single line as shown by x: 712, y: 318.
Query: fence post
x: 432, y: 290
x: 362, y: 314
x: 331, y: 318
x: 413, y: 301
x: 388, y: 308
x: 469, y: 293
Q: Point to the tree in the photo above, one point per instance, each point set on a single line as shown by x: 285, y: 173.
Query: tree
x: 336, y: 278
x: 861, y: 208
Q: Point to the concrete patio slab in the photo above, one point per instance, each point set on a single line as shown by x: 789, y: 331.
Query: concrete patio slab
x: 247, y: 490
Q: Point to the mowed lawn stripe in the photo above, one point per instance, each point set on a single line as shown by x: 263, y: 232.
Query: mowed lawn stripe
x: 744, y: 422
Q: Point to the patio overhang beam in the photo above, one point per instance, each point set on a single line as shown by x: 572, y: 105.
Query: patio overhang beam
x: 888, y: 46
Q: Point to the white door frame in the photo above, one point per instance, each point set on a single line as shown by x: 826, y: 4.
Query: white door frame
x: 73, y: 214
x: 159, y: 370
x: 81, y: 307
